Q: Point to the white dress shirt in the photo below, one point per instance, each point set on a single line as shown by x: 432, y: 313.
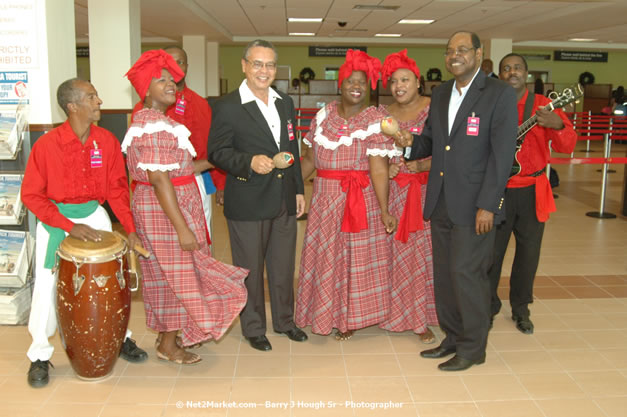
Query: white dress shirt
x: 269, y: 110
x: 456, y: 100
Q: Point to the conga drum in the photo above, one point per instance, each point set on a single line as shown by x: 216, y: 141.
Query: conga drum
x: 93, y: 303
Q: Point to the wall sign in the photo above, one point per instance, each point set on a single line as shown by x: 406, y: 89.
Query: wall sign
x: 337, y: 51
x: 82, y: 52
x: 18, y: 34
x: 580, y: 56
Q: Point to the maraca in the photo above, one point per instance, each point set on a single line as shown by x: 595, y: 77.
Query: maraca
x: 283, y: 160
x: 389, y: 126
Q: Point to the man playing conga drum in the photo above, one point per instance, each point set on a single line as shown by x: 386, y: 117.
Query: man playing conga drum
x: 71, y: 171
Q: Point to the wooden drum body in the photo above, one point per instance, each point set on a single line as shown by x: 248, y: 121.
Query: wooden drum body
x: 93, y: 303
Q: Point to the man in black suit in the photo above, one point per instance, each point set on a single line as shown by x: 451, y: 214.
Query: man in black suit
x: 261, y: 203
x: 487, y: 66
x: 471, y: 134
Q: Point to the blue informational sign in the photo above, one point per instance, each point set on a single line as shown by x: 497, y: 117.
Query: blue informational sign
x: 13, y: 87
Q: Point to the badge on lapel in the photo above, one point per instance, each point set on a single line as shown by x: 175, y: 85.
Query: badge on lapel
x: 472, y: 127
x: 290, y: 130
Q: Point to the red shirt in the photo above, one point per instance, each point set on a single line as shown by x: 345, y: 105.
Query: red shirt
x: 59, y: 169
x: 197, y: 118
x: 534, y: 154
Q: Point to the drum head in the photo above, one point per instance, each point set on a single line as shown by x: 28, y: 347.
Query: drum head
x: 110, y: 247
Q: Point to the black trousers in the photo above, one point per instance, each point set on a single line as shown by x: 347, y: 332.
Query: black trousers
x: 520, y: 211
x: 461, y: 259
x: 271, y: 242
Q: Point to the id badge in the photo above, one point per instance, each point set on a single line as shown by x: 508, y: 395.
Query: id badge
x: 343, y: 130
x: 95, y: 158
x: 290, y: 131
x: 472, y: 128
x: 414, y: 131
x: 180, y: 106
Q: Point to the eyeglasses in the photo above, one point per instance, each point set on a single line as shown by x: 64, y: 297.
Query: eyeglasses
x: 270, y: 66
x: 460, y: 51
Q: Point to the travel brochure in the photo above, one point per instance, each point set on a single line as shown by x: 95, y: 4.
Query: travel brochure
x: 10, y: 202
x: 12, y: 128
x: 15, y: 304
x: 15, y: 254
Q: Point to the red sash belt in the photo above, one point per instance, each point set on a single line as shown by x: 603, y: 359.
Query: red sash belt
x: 177, y: 181
x: 411, y: 219
x: 352, y: 182
x: 545, y: 204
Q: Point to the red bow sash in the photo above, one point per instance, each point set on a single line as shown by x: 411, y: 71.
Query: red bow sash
x: 545, y: 204
x: 352, y: 183
x: 411, y: 219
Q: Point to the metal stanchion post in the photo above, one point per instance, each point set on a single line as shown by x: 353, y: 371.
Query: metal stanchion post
x: 588, y: 134
x: 601, y: 214
x: 572, y: 154
x: 610, y: 171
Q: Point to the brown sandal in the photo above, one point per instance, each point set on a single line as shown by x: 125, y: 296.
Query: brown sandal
x: 341, y: 336
x: 181, y: 357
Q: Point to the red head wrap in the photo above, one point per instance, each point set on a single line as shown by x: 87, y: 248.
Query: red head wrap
x: 149, y: 66
x: 396, y: 61
x: 360, y: 61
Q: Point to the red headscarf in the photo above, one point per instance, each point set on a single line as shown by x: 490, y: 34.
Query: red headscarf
x: 396, y: 61
x: 357, y: 60
x: 149, y: 66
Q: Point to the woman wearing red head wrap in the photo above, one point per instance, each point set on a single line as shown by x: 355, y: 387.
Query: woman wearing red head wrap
x: 185, y: 290
x: 344, y: 268
x: 412, y: 300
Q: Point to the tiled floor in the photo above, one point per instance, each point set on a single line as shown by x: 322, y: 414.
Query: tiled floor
x: 574, y: 365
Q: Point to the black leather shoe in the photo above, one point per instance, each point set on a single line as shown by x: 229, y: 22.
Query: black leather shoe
x: 38, y: 374
x: 457, y: 363
x: 295, y: 334
x: 523, y: 324
x: 131, y: 352
x: 436, y: 353
x: 260, y: 343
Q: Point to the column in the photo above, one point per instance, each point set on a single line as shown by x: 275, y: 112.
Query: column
x: 213, y: 69
x: 114, y: 45
x: 194, y: 46
x: 496, y: 49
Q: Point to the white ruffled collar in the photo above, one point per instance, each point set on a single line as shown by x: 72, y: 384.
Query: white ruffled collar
x: 325, y: 142
x: 180, y: 131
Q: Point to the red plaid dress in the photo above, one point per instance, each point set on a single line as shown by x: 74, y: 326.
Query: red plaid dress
x: 412, y: 304
x: 344, y: 277
x: 183, y: 290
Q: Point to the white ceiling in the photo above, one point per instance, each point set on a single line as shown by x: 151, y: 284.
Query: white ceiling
x: 533, y: 23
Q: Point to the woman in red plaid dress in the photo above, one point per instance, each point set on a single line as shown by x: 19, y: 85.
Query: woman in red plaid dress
x: 412, y: 299
x: 185, y: 290
x: 344, y: 269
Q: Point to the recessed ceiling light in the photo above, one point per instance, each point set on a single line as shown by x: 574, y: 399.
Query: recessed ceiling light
x: 374, y: 7
x: 302, y: 34
x: 416, y: 21
x: 304, y: 19
x: 582, y: 40
x: 388, y: 35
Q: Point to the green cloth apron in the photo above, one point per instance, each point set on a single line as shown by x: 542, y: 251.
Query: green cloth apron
x: 73, y: 211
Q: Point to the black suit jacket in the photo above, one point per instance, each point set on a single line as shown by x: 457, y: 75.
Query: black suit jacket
x: 472, y: 170
x: 238, y: 132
